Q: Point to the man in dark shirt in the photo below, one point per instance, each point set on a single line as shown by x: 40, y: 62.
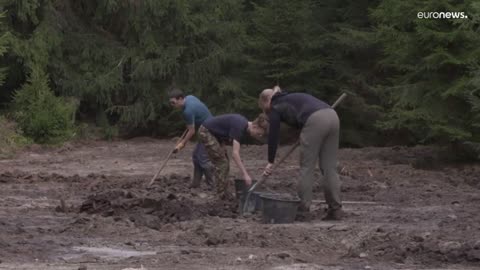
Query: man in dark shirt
x: 228, y: 129
x: 319, y: 139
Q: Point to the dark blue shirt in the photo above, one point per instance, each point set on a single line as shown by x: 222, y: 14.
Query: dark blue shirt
x: 292, y: 109
x: 195, y: 112
x: 227, y: 127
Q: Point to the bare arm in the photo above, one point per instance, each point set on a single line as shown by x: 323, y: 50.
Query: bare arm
x: 238, y: 161
x: 190, y: 133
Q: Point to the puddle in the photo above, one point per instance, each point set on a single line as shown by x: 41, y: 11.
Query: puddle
x: 107, y: 252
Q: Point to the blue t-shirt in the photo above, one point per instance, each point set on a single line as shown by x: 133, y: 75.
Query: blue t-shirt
x: 195, y: 112
x: 227, y: 127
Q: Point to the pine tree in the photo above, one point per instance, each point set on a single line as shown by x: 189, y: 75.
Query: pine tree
x: 120, y: 56
x: 343, y: 35
x: 278, y: 40
x: 35, y: 38
x: 40, y: 114
x: 320, y: 47
x: 3, y: 49
x: 431, y: 66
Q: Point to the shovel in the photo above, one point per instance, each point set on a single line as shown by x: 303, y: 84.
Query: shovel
x: 166, y: 159
x: 264, y: 177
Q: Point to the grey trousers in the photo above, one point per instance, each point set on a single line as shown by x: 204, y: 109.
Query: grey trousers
x: 319, y: 140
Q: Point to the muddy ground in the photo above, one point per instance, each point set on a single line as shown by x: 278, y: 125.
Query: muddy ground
x: 87, y: 206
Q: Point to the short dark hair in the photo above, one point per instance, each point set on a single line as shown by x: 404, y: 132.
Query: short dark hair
x: 175, y: 93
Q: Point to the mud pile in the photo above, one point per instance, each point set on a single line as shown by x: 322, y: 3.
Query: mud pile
x: 165, y: 208
x: 169, y: 200
x: 431, y: 248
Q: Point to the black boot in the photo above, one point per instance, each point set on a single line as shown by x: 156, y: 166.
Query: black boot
x: 333, y: 214
x: 303, y: 213
x: 197, y: 176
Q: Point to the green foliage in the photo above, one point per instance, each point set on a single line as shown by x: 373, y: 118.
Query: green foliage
x: 110, y: 132
x: 431, y: 65
x: 278, y: 39
x: 320, y: 47
x: 116, y: 58
x: 26, y: 9
x: 3, y: 49
x: 40, y: 114
x: 36, y: 47
x: 11, y: 139
x: 119, y: 57
x: 351, y: 54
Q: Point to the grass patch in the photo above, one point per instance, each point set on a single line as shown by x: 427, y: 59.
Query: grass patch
x: 11, y: 138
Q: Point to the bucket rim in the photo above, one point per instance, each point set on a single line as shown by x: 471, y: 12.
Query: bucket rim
x: 275, y: 197
x: 243, y: 180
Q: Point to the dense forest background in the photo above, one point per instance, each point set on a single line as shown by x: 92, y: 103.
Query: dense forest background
x: 70, y: 66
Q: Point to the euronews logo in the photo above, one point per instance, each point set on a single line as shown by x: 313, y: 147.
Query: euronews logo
x: 441, y: 15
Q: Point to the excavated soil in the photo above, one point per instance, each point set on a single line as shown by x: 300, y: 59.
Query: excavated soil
x: 89, y: 206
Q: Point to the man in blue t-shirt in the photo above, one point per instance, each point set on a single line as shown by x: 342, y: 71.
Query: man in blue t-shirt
x: 228, y: 129
x: 194, y: 113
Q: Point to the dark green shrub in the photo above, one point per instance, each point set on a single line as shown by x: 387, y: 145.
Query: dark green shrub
x: 40, y: 114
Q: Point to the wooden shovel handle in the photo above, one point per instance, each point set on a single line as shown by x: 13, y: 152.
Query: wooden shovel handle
x: 167, y: 158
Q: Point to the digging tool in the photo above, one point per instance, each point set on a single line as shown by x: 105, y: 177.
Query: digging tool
x: 167, y: 158
x: 264, y: 177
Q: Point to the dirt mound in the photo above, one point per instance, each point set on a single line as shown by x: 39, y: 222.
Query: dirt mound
x: 426, y: 247
x: 168, y: 200
x: 25, y: 177
x: 221, y: 209
x: 165, y: 208
x: 7, y: 177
